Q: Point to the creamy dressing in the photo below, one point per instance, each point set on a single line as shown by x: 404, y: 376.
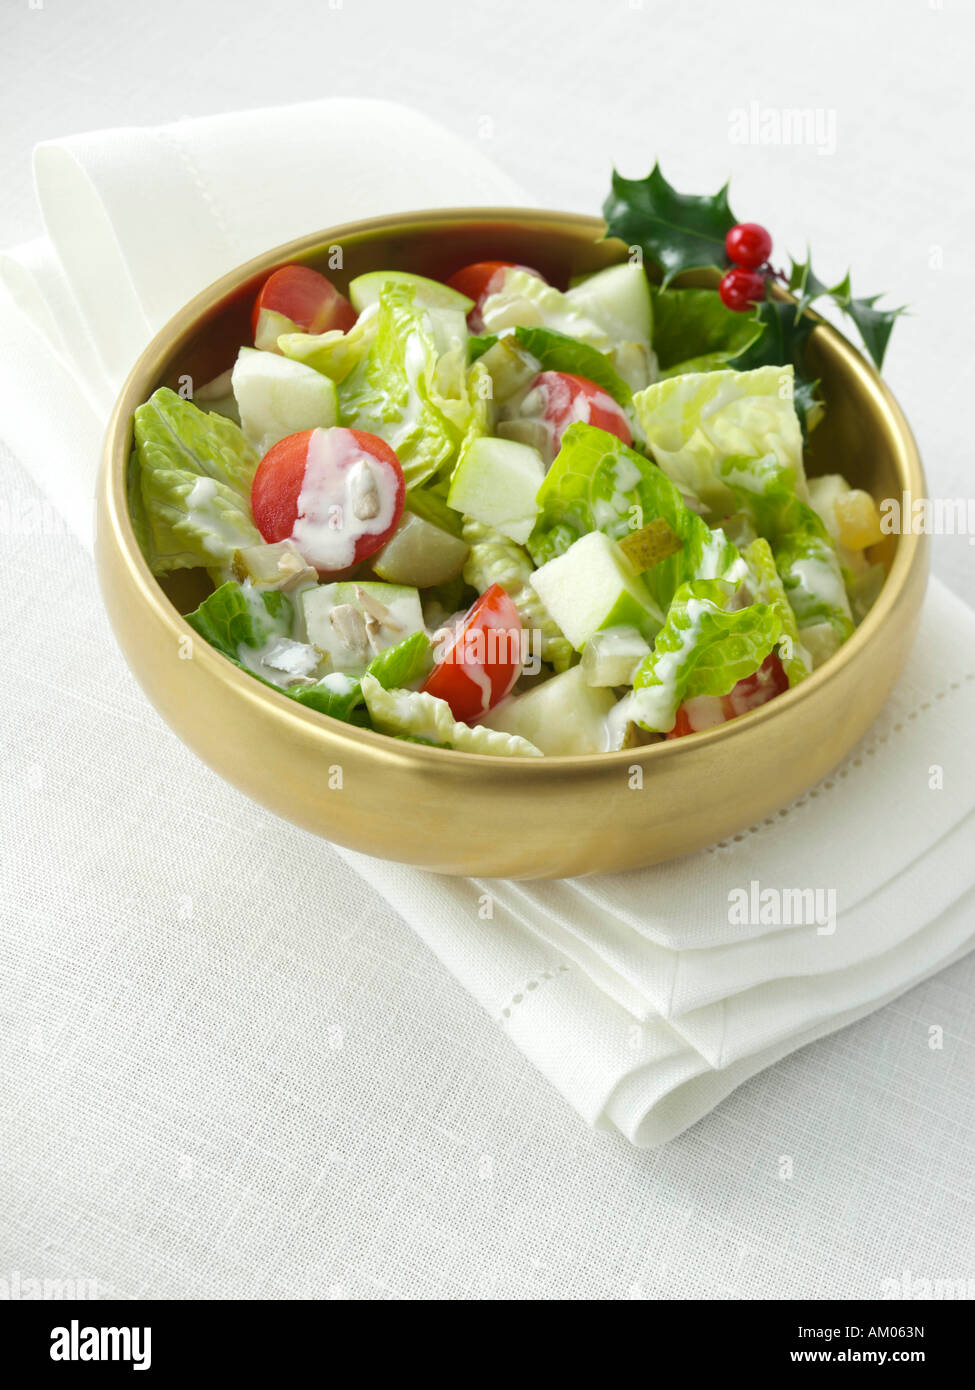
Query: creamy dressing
x: 338, y: 683
x: 821, y: 581
x: 216, y: 534
x: 339, y: 474
x: 280, y: 660
x: 656, y: 705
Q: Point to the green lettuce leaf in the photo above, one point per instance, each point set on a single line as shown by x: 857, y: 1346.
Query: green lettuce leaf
x: 233, y: 617
x: 494, y: 559
x: 423, y: 717
x: 692, y: 423
x: 401, y: 390
x: 409, y: 661
x: 767, y: 587
x: 334, y: 353
x: 703, y: 648
x: 551, y: 306
x: 598, y: 484
x: 195, y: 472
x: 805, y: 555
x: 558, y: 352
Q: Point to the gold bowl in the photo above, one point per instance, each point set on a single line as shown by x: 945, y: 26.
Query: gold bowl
x: 462, y: 813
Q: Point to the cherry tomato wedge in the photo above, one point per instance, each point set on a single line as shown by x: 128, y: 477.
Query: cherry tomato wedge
x: 297, y: 299
x: 706, y: 711
x: 558, y: 399
x: 479, y: 661
x: 479, y: 280
x: 337, y: 493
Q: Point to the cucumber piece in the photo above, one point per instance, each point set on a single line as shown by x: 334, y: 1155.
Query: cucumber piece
x: 277, y: 397
x: 593, y: 586
x: 510, y: 366
x: 618, y: 299
x: 364, y: 290
x: 420, y: 554
x: 562, y: 716
x: 433, y: 508
x: 496, y: 482
x: 351, y: 622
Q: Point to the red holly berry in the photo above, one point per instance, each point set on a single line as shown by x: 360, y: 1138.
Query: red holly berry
x: 740, y: 288
x: 748, y: 244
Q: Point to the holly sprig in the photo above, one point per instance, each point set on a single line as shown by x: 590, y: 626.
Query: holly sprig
x: 678, y: 232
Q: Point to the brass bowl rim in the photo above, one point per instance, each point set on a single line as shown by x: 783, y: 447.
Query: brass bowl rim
x: 146, y: 370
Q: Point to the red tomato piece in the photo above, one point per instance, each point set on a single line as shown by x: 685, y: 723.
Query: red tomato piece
x: 306, y: 300
x: 337, y: 493
x: 480, y: 659
x: 558, y: 399
x: 479, y: 280
x: 707, y: 711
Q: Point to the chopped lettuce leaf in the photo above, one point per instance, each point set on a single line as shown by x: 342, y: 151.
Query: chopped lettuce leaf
x: 693, y: 423
x: 334, y: 353
x: 767, y: 587
x: 236, y: 616
x: 409, y: 661
x: 244, y: 624
x: 557, y: 352
x: 195, y: 472
x: 703, y: 648
x: 401, y: 390
x: 805, y: 555
x: 336, y: 695
x: 137, y: 508
x: 524, y: 301
x: 598, y: 484
x: 494, y: 559
x: 421, y: 716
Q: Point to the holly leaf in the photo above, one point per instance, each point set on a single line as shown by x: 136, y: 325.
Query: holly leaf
x: 807, y: 286
x: 874, y: 325
x: 675, y: 231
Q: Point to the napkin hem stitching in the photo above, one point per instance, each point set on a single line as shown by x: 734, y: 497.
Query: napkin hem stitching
x: 530, y: 985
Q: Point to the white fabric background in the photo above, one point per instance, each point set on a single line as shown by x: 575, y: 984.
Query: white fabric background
x: 383, y: 1139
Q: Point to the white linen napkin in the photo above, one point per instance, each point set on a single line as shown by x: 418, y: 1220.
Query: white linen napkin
x: 641, y: 996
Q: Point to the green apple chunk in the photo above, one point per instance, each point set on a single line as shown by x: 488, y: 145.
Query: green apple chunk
x: 562, y: 716
x: 612, y: 655
x: 277, y: 397
x: 618, y: 299
x: 593, y: 586
x: 496, y: 482
x: 420, y: 554
x: 352, y: 622
x: 364, y: 290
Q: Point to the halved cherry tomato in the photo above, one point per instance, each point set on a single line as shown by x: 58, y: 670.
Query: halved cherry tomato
x: 479, y: 280
x: 559, y: 399
x: 296, y: 299
x: 337, y: 493
x: 480, y: 660
x: 706, y: 711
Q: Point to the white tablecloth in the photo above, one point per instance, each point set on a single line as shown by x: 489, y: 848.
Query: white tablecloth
x: 134, y: 1147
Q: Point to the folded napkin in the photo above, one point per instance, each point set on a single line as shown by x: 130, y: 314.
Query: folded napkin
x: 644, y: 997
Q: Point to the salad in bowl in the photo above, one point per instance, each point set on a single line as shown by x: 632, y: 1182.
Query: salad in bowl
x: 489, y: 513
